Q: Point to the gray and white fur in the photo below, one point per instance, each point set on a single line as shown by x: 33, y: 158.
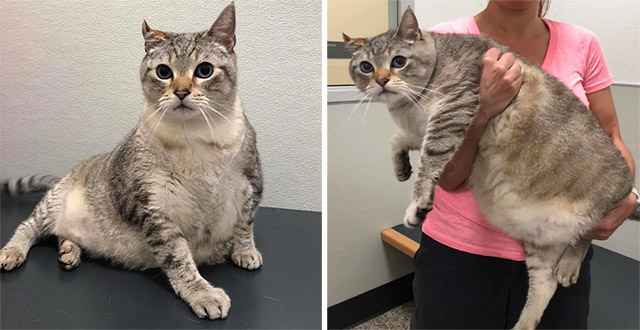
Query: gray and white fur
x: 183, y: 187
x: 545, y: 172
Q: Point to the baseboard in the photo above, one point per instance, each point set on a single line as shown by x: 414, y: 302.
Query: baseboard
x: 370, y: 304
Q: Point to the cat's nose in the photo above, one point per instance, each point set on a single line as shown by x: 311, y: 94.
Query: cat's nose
x: 382, y: 81
x: 181, y: 94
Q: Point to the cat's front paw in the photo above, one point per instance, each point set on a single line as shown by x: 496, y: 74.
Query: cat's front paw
x: 11, y: 257
x: 402, y: 166
x: 414, y: 215
x: 209, y: 302
x: 250, y: 259
x: 403, y: 174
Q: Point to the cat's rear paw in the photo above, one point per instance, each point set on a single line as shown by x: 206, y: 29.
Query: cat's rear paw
x: 568, y: 271
x: 11, y: 257
x: 250, y: 259
x: 69, y: 255
x: 414, y: 215
x: 210, y: 303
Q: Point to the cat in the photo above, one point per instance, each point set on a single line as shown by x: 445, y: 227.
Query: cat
x: 545, y: 172
x: 183, y: 187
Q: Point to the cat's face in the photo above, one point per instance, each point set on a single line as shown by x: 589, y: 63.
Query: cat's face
x: 395, y: 64
x: 184, y: 74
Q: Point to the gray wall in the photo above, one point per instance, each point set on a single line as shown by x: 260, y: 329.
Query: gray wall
x: 364, y: 198
x: 70, y: 86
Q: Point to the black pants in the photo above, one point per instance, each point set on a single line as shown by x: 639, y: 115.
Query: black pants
x: 455, y: 289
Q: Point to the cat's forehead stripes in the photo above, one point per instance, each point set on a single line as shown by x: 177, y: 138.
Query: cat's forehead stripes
x: 380, y: 44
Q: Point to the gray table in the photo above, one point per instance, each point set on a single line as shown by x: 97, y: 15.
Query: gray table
x: 284, y: 293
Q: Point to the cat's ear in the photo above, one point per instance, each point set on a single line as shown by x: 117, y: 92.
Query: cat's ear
x: 408, y: 28
x: 353, y: 43
x: 152, y: 38
x: 223, y: 29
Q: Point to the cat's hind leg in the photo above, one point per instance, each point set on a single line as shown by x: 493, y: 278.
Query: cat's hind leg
x: 69, y: 254
x: 541, y: 261
x: 568, y: 269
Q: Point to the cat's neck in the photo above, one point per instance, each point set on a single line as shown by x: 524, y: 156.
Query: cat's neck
x: 457, y: 71
x: 458, y: 59
x: 223, y: 130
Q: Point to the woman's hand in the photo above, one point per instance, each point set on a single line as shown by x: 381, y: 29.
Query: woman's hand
x: 500, y: 82
x: 613, y: 219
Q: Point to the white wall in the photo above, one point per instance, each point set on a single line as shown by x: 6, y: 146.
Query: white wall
x: 70, y: 86
x: 363, y: 198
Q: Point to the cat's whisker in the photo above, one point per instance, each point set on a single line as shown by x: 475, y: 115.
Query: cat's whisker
x: 210, y: 101
x: 208, y: 124
x: 425, y: 89
x: 216, y: 112
x: 366, y: 111
x: 412, y: 95
x: 156, y: 111
x: 159, y: 120
x: 206, y: 102
x: 364, y: 98
x: 213, y: 110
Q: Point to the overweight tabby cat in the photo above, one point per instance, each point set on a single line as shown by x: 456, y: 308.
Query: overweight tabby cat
x: 545, y: 172
x: 181, y: 189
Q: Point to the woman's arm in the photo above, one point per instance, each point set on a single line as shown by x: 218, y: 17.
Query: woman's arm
x: 499, y: 84
x: 601, y: 104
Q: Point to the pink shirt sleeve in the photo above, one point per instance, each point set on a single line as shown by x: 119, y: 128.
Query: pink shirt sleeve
x: 597, y: 75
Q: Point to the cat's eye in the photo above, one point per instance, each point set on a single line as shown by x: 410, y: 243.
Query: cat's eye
x: 398, y: 62
x: 164, y: 71
x: 204, y: 70
x: 366, y: 67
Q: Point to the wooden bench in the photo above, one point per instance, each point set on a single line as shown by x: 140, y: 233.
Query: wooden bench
x: 406, y: 240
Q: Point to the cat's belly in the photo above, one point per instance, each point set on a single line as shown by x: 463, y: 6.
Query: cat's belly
x: 207, y: 227
x: 506, y: 205
x: 100, y: 235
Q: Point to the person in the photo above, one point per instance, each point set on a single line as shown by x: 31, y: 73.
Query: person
x: 468, y: 273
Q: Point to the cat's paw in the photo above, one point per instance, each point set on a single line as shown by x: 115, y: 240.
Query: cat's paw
x: 402, y: 167
x: 568, y: 271
x: 414, y: 215
x: 210, y: 303
x: 403, y: 175
x: 11, y: 257
x: 69, y: 255
x: 250, y: 259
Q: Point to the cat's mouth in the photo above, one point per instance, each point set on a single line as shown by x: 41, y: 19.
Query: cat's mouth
x: 183, y: 108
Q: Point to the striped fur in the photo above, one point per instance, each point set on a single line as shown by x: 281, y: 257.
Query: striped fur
x: 27, y: 184
x: 180, y: 190
x: 545, y: 172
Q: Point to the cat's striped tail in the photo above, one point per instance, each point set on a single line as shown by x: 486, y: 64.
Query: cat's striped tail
x: 27, y: 184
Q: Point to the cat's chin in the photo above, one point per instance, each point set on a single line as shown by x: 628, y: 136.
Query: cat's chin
x: 183, y: 113
x: 388, y: 96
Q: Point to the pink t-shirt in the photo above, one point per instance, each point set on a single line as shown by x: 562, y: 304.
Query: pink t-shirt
x: 574, y: 57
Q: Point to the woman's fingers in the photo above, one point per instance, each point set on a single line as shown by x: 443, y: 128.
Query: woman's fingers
x: 513, y: 76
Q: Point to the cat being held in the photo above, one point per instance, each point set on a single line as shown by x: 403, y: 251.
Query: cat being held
x: 545, y: 171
